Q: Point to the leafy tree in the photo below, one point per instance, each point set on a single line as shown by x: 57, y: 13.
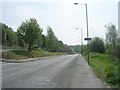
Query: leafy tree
x: 111, y: 37
x: 43, y: 46
x: 38, y: 41
x: 76, y: 48
x: 97, y: 45
x: 118, y: 48
x: 68, y: 49
x: 21, y: 42
x: 30, y: 31
x: 8, y: 35
x: 60, y: 46
x: 51, y: 40
x: 29, y: 34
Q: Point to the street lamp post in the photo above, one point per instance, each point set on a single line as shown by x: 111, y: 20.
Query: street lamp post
x: 81, y: 39
x: 86, y: 26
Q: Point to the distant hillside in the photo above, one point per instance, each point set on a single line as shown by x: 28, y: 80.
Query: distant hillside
x: 76, y: 48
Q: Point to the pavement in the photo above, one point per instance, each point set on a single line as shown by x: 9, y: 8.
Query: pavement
x: 83, y: 76
x: 65, y: 71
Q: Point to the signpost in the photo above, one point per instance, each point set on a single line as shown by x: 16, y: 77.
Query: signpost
x: 88, y: 39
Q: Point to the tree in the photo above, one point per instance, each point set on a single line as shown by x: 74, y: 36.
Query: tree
x: 60, y: 46
x: 8, y: 35
x: 76, y: 48
x: 51, y: 40
x: 97, y: 45
x: 43, y: 46
x: 30, y: 31
x: 21, y: 42
x: 111, y: 37
x: 118, y: 48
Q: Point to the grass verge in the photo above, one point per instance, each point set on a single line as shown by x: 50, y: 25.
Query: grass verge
x: 106, y: 68
x: 23, y: 54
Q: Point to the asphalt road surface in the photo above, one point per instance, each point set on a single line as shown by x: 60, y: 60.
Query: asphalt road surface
x: 66, y: 71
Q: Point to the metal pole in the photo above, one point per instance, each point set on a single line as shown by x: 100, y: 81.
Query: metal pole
x: 87, y: 31
x: 81, y: 40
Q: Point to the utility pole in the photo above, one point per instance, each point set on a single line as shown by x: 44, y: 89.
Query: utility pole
x: 81, y: 40
x: 81, y: 47
x: 87, y: 31
x: 87, y: 28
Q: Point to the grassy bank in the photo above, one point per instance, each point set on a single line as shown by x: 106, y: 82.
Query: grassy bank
x: 4, y: 47
x: 106, y: 68
x: 23, y: 54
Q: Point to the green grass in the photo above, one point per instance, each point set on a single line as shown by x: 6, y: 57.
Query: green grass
x: 106, y: 68
x: 13, y: 56
x: 23, y: 54
x: 42, y: 53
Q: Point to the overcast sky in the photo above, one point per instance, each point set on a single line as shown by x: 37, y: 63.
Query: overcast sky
x: 63, y: 16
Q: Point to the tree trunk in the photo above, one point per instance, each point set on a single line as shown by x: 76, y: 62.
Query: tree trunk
x: 29, y: 50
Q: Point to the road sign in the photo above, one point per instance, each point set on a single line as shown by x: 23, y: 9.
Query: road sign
x: 87, y: 38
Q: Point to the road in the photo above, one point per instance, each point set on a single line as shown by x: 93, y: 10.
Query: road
x: 66, y: 71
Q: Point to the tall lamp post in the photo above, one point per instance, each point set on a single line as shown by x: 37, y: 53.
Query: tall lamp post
x: 86, y: 26
x: 81, y: 39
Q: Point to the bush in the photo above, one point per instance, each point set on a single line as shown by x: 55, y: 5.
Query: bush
x: 97, y: 45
